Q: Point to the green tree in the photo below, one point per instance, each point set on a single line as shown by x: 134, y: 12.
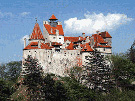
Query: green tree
x: 5, y: 90
x: 2, y: 71
x: 97, y: 73
x: 13, y: 70
x: 131, y: 53
x: 33, y: 77
x: 123, y: 70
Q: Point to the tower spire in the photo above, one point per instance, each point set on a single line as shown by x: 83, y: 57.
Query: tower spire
x: 36, y: 19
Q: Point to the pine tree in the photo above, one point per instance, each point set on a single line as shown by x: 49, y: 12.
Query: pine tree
x: 33, y: 78
x: 96, y: 74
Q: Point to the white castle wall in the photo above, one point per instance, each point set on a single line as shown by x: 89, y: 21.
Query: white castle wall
x: 54, y: 62
x: 105, y: 50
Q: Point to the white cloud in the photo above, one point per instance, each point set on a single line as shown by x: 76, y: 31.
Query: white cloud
x: 24, y: 13
x: 22, y: 39
x: 6, y: 14
x: 93, y: 22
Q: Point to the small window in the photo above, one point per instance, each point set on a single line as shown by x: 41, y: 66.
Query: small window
x: 67, y: 43
x: 35, y: 51
x: 59, y: 38
x: 29, y: 51
x: 53, y: 37
x: 104, y: 49
x: 45, y: 38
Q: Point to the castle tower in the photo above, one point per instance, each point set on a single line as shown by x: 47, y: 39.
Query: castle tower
x: 53, y: 22
x: 36, y: 35
x: 53, y: 30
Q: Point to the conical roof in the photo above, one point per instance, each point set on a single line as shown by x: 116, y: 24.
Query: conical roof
x: 37, y: 34
x: 53, y: 17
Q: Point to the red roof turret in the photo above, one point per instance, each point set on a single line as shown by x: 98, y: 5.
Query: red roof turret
x: 53, y: 17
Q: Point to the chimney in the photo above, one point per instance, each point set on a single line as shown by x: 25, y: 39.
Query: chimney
x: 79, y: 38
x: 24, y: 42
x: 98, y: 32
x: 59, y: 23
x: 83, y: 35
x: 57, y: 32
x: 105, y: 33
x: 51, y: 30
x: 50, y: 43
x: 45, y: 22
x: 39, y: 44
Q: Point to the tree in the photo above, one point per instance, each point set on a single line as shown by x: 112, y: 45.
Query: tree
x: 13, y: 70
x: 2, y: 71
x: 5, y: 90
x: 33, y: 77
x: 53, y: 90
x: 123, y: 70
x: 131, y: 53
x: 97, y: 73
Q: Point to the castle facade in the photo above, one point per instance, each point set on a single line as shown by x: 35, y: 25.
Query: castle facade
x: 57, y: 53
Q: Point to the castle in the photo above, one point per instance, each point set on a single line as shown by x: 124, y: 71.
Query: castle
x: 57, y: 53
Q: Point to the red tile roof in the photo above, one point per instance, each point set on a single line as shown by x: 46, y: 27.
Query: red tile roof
x: 105, y: 34
x: 98, y: 38
x: 71, y: 46
x: 34, y: 45
x: 97, y: 45
x: 86, y: 48
x: 53, y: 17
x: 36, y: 34
x: 74, y: 39
x: 58, y: 27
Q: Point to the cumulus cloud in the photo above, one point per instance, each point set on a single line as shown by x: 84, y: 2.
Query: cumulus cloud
x: 24, y: 13
x: 95, y: 22
x: 22, y: 39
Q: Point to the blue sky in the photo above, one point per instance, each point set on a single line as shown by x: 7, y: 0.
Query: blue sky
x: 17, y: 19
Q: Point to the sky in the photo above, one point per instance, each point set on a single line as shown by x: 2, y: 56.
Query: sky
x: 17, y: 20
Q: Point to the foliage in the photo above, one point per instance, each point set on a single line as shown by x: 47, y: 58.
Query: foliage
x: 123, y: 70
x: 53, y: 90
x: 76, y: 91
x: 32, y: 78
x: 10, y: 71
x: 131, y: 53
x: 13, y: 70
x: 116, y: 95
x: 97, y: 73
x: 2, y: 71
x: 5, y: 90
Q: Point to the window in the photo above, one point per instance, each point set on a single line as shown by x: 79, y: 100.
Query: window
x: 59, y: 38
x: 53, y: 37
x: 67, y: 43
x: 86, y: 57
x: 104, y: 49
